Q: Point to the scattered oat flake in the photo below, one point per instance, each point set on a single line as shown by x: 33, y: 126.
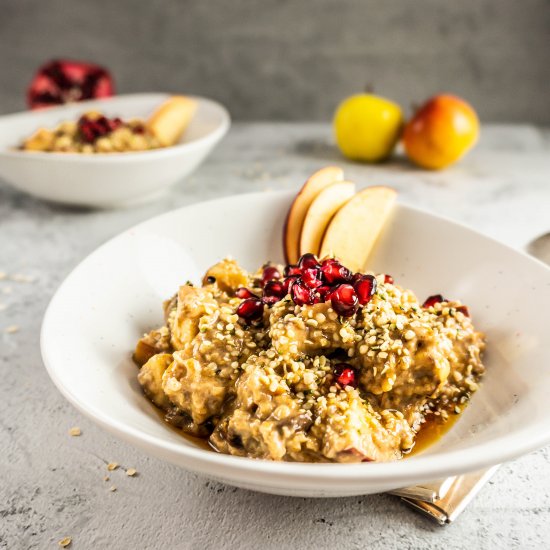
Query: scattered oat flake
x: 131, y: 472
x: 106, y: 478
x: 75, y: 431
x: 112, y: 466
x: 112, y: 488
x: 11, y: 329
x: 3, y: 275
x: 65, y: 542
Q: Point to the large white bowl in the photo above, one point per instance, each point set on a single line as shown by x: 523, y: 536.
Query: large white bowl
x: 106, y: 179
x: 113, y: 296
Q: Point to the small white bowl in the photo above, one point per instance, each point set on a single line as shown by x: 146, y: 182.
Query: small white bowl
x: 112, y: 297
x: 111, y: 179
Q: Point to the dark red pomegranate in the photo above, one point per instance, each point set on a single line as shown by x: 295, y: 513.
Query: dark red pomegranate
x: 273, y: 292
x: 345, y: 375
x: 301, y: 294
x: 432, y: 300
x: 61, y: 81
x: 91, y: 129
x: 308, y: 260
x: 365, y: 287
x: 270, y: 272
x: 388, y: 279
x: 334, y: 272
x: 288, y: 282
x: 291, y: 269
x: 344, y: 300
x: 250, y: 309
x: 323, y: 292
x: 244, y: 293
x: 464, y: 310
x: 311, y: 277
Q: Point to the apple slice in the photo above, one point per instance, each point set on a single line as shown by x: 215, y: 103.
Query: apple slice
x: 320, y: 212
x: 298, y: 209
x: 171, y: 119
x: 354, y: 229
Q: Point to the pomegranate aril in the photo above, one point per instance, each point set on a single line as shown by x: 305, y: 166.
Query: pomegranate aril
x: 365, y: 287
x: 432, y: 300
x: 334, y: 272
x: 388, y: 279
x: 308, y: 260
x: 344, y: 300
x: 61, y: 81
x: 291, y: 269
x: 464, y: 310
x: 250, y: 309
x: 301, y: 294
x: 273, y: 292
x: 323, y: 292
x: 244, y: 293
x: 311, y: 277
x: 288, y: 282
x: 270, y: 272
x: 345, y: 375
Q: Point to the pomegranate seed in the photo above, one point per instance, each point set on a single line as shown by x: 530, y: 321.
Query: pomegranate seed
x: 345, y: 375
x: 365, y: 287
x: 311, y: 277
x: 292, y: 269
x: 301, y: 294
x: 273, y: 292
x: 344, y: 300
x: 90, y: 130
x: 323, y: 292
x: 388, y: 279
x: 334, y: 272
x: 250, y: 309
x: 270, y: 272
x: 62, y: 81
x: 464, y: 310
x: 288, y: 282
x: 432, y: 300
x: 244, y: 293
x: 308, y: 260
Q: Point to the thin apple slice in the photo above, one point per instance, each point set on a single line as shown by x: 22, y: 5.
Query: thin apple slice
x: 298, y: 209
x: 321, y: 211
x: 353, y: 231
x: 171, y: 119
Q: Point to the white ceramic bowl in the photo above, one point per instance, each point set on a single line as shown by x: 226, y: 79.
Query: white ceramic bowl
x: 113, y: 296
x: 106, y: 179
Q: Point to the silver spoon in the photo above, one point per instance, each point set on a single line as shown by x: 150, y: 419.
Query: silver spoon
x: 540, y: 248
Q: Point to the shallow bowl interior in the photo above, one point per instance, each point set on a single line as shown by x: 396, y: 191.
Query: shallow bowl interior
x: 115, y: 295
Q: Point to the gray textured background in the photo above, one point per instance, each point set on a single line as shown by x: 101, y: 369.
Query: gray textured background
x: 293, y: 60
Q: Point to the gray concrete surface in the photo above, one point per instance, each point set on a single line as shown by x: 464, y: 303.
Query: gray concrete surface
x: 51, y: 484
x: 293, y: 59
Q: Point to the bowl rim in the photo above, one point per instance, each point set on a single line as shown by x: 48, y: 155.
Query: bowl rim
x: 214, y: 135
x: 504, y: 448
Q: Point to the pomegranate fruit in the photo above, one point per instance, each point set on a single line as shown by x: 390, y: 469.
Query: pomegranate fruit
x: 244, y: 293
x: 345, y: 375
x: 432, y: 300
x: 334, y: 272
x: 273, y: 292
x: 250, y: 309
x: 365, y: 287
x: 291, y: 269
x: 301, y: 294
x: 311, y: 277
x: 270, y: 272
x: 61, y: 81
x: 388, y: 279
x: 344, y: 300
x: 308, y: 260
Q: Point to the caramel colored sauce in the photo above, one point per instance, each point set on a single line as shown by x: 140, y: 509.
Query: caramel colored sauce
x: 200, y: 442
x: 432, y: 431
